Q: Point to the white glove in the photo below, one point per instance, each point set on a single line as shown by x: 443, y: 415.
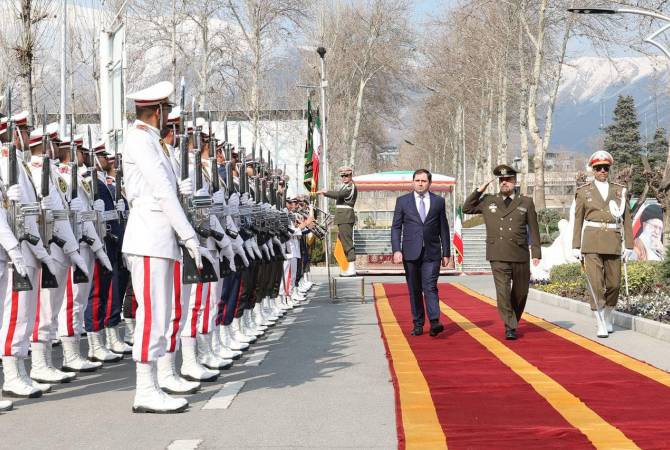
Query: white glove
x: 276, y: 240
x: 265, y: 251
x: 104, y: 259
x: 185, y: 187
x: 207, y: 255
x: 270, y: 246
x: 76, y: 204
x: 577, y: 254
x: 17, y: 260
x: 229, y: 253
x: 120, y: 205
x: 627, y: 254
x: 99, y: 205
x: 49, y: 262
x: 77, y: 260
x: 238, y: 249
x: 47, y: 203
x: 14, y: 193
x: 194, y: 250
x: 218, y: 197
x: 254, y: 246
x: 250, y: 251
x: 244, y: 198
x: 234, y: 199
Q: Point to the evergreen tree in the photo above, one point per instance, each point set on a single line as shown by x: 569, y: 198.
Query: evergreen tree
x: 657, y: 150
x: 622, y: 140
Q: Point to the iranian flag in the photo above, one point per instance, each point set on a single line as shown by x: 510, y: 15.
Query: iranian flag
x: 316, y: 149
x: 458, y: 236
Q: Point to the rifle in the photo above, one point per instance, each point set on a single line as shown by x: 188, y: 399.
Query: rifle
x: 47, y: 217
x: 78, y: 275
x: 100, y: 225
x: 118, y: 177
x: 18, y: 212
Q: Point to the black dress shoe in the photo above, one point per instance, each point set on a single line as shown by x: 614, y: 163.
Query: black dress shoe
x: 436, y: 329
x: 510, y: 335
x: 417, y: 331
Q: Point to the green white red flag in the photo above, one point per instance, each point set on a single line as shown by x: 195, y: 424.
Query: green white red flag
x: 458, y: 236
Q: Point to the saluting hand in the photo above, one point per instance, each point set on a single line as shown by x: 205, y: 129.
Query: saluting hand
x: 483, y: 187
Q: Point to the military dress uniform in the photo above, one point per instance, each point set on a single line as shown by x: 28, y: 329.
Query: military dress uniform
x: 345, y: 199
x: 155, y: 223
x: 598, y: 235
x: 511, y: 227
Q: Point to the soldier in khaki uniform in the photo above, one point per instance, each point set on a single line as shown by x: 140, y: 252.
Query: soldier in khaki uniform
x: 602, y: 217
x: 511, y: 227
x: 344, y: 216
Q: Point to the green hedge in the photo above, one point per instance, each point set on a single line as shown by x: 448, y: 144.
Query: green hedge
x: 643, y: 277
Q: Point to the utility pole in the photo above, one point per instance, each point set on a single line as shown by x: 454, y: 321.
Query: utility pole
x: 63, y: 67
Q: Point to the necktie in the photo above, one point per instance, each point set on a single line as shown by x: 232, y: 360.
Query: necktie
x: 422, y: 209
x: 508, y: 200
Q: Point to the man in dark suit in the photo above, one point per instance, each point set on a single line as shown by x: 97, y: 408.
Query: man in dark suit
x: 420, y: 240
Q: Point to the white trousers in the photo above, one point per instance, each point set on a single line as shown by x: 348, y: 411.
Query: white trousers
x: 49, y: 304
x: 71, y: 316
x: 181, y: 296
x: 18, y: 316
x: 153, y: 280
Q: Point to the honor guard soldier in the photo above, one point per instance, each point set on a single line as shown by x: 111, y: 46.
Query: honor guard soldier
x: 345, y: 199
x: 602, y: 220
x: 511, y: 228
x: 156, y: 225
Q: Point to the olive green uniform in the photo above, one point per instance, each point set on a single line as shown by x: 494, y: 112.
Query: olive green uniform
x: 600, y: 240
x: 510, y: 230
x: 345, y: 199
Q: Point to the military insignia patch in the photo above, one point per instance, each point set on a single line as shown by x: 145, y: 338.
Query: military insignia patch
x: 87, y: 186
x: 522, y: 209
x: 503, y: 171
x: 62, y: 185
x: 493, y: 208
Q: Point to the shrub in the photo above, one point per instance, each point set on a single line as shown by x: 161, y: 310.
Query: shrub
x: 548, y: 218
x: 643, y: 277
x: 654, y: 306
x: 567, y: 273
x: 665, y: 266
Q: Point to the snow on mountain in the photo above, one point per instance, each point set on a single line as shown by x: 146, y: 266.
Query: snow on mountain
x: 589, y: 90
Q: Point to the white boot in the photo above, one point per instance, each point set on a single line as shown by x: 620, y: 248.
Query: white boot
x: 268, y: 311
x: 226, y: 338
x: 191, y: 369
x: 600, y: 321
x: 114, y: 342
x: 246, y: 327
x: 220, y: 348
x: 168, y: 379
x: 149, y: 398
x: 49, y: 353
x: 351, y: 270
x: 278, y: 306
x: 14, y: 385
x: 72, y: 359
x: 6, y: 405
x: 40, y: 370
x: 248, y: 319
x: 237, y: 335
x: 608, y: 314
x: 97, y: 351
x: 129, y: 335
x: 23, y: 373
x: 284, y: 304
x: 297, y: 296
x: 206, y: 355
x: 260, y: 318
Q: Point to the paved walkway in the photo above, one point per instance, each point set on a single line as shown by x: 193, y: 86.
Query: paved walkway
x: 321, y: 381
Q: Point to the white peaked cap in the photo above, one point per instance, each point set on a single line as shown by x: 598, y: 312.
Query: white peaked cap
x: 153, y: 95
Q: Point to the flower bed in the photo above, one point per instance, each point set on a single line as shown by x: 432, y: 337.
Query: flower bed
x: 648, y: 287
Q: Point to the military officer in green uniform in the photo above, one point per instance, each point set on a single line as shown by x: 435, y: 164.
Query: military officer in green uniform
x: 511, y: 228
x: 602, y: 220
x: 345, y: 198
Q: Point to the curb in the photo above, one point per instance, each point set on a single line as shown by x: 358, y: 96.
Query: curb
x: 641, y: 325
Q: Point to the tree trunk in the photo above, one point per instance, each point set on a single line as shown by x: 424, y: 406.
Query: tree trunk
x: 534, y: 129
x: 488, y: 137
x: 523, y: 117
x: 502, y: 119
x: 357, y: 122
x: 25, y: 52
x: 173, y: 42
x: 204, y: 64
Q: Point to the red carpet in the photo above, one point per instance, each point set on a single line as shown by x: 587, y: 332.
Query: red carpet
x: 542, y: 391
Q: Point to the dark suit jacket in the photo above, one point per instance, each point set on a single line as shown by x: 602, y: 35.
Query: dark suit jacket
x: 431, y: 235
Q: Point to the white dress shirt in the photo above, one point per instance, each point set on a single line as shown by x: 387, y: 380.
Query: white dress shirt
x: 426, y: 201
x: 603, y: 188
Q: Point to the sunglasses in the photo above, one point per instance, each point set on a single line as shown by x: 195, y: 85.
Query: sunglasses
x: 345, y: 176
x: 601, y: 168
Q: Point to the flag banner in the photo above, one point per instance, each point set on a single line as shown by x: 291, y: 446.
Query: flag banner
x: 458, y: 236
x: 312, y: 149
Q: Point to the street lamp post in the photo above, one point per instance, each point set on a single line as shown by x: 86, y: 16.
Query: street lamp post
x: 651, y: 39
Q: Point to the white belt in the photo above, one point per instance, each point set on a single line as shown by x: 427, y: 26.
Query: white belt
x: 611, y: 226
x: 146, y: 201
x: 109, y: 215
x: 344, y: 206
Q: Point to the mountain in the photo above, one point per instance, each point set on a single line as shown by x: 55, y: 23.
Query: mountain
x: 588, y: 94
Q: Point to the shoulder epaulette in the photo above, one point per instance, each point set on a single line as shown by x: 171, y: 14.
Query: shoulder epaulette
x: 141, y: 127
x: 583, y: 185
x: 617, y: 184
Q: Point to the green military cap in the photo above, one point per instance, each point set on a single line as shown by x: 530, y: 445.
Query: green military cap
x: 503, y: 170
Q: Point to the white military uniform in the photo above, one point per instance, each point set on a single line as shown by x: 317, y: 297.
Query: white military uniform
x: 150, y: 241
x: 71, y: 316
